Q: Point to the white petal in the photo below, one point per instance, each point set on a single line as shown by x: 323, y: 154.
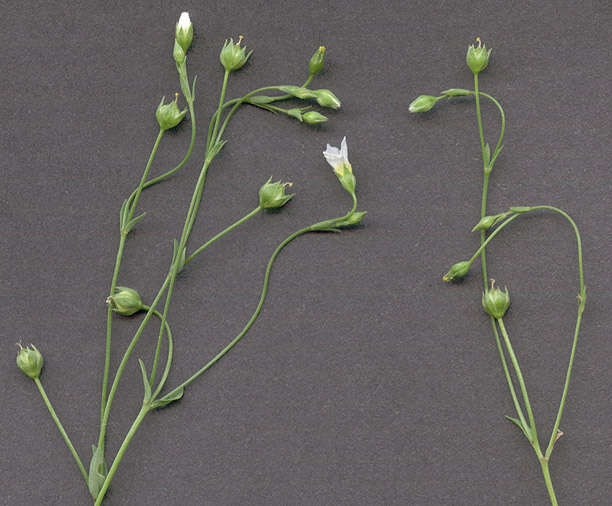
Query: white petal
x: 333, y: 156
x: 344, y: 150
x: 184, y: 21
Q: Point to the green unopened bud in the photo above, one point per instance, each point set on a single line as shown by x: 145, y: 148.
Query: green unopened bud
x: 178, y: 53
x: 495, y: 302
x: 169, y: 115
x: 125, y: 301
x: 313, y: 118
x: 353, y: 219
x: 184, y: 31
x: 273, y: 196
x: 423, y: 103
x: 485, y: 223
x: 326, y: 98
x: 457, y: 271
x: 30, y: 361
x: 233, y: 55
x: 316, y: 62
x: 298, y: 91
x: 477, y: 57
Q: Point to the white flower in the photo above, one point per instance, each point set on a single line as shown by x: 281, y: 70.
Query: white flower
x: 338, y: 158
x: 184, y: 22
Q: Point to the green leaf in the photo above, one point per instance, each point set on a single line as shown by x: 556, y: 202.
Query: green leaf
x: 147, y: 385
x: 487, y: 154
x: 521, y: 209
x: 496, y: 154
x: 295, y: 113
x: 167, y: 399
x: 123, y: 214
x: 97, y: 471
x: 130, y: 225
x: 181, y: 259
x: 519, y: 424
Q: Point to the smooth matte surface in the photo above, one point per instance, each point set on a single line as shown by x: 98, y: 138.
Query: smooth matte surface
x: 366, y: 380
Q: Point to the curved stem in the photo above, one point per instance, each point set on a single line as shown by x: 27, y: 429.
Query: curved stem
x: 157, y: 349
x: 167, y: 174
x: 61, y: 429
x: 254, y: 316
x: 222, y: 233
x: 113, y: 469
x: 312, y: 228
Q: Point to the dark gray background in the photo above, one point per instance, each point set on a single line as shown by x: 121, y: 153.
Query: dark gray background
x: 366, y: 380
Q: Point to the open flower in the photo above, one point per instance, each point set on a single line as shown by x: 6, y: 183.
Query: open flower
x: 338, y: 159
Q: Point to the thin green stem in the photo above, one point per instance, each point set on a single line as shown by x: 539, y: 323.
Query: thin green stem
x: 124, y: 360
x: 167, y: 174
x: 317, y: 226
x: 222, y: 233
x: 548, y: 481
x: 479, y: 119
x: 254, y: 316
x: 61, y: 429
x: 109, y: 324
x: 113, y: 469
x: 145, y: 174
x: 515, y: 401
x: 481, y: 249
x: 157, y: 349
x: 109, y: 321
x: 521, y: 380
x: 221, y: 99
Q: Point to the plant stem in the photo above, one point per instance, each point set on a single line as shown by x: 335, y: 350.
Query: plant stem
x: 61, y: 428
x: 222, y: 233
x: 124, y: 360
x: 519, y: 375
x: 254, y: 316
x: 109, y: 319
x: 262, y: 297
x: 157, y: 350
x: 548, y: 481
x: 113, y: 469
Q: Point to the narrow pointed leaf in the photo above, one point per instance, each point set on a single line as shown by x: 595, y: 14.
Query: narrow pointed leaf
x: 147, y: 385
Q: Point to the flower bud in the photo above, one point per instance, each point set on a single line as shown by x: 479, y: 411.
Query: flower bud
x: 457, y: 271
x: 30, y: 361
x: 338, y: 159
x: 423, y: 103
x: 316, y: 62
x: 353, y: 219
x: 125, y: 301
x: 272, y: 195
x: 326, y: 98
x: 495, y: 302
x: 313, y: 118
x: 485, y: 223
x: 178, y: 53
x: 169, y: 115
x: 233, y: 56
x: 184, y: 31
x: 477, y: 58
